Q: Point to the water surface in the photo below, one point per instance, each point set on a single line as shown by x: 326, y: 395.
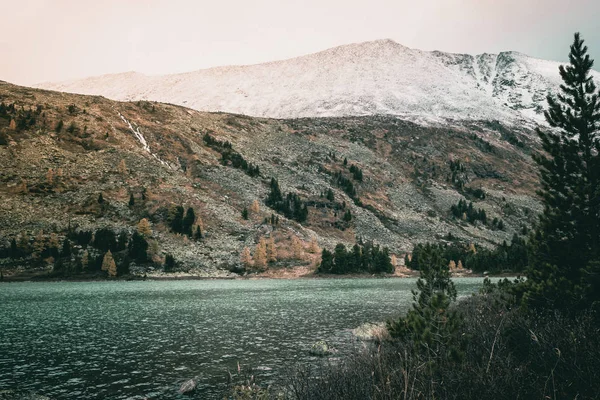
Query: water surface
x: 132, y: 340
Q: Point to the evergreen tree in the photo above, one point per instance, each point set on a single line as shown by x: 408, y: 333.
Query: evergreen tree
x: 326, y: 265
x: 188, y: 221
x: 197, y: 233
x: 275, y: 195
x: 330, y: 195
x: 105, y: 239
x: 123, y: 267
x: 14, y: 250
x: 347, y: 216
x: 245, y: 213
x: 430, y: 324
x: 122, y: 241
x: 100, y: 199
x: 169, y: 263
x: 138, y: 247
x: 566, y: 247
x: 66, y: 248
x: 131, y: 200
x: 176, y: 219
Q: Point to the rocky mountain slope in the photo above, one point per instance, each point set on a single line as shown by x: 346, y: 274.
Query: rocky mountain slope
x: 380, y: 77
x: 59, y: 151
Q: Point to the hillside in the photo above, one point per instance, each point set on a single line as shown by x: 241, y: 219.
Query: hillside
x: 371, y: 78
x: 59, y: 152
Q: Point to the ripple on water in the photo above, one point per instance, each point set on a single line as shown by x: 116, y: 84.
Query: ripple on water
x: 132, y: 340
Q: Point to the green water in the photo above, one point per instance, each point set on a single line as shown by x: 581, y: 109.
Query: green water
x: 135, y: 340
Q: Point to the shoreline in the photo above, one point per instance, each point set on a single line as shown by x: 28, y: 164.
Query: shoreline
x: 44, y: 277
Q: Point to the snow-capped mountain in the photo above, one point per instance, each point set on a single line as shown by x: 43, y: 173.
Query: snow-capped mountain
x: 379, y: 77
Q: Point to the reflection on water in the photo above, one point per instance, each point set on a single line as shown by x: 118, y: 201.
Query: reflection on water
x: 135, y: 340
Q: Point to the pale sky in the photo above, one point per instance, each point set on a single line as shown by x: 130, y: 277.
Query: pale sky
x: 53, y: 40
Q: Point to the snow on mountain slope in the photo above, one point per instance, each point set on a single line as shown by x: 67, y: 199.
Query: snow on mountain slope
x: 379, y: 77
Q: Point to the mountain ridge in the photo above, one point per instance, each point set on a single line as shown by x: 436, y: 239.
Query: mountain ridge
x: 368, y: 78
x: 60, y: 151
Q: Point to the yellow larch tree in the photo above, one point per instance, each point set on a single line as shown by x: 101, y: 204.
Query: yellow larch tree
x: 108, y: 264
x: 85, y: 260
x: 246, y: 258
x: 297, y: 248
x: 50, y: 176
x: 271, y: 250
x: 143, y: 228
x: 313, y: 247
x: 260, y: 254
x: 123, y: 168
x: 255, y: 207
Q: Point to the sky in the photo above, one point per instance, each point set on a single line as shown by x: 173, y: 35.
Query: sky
x: 56, y: 40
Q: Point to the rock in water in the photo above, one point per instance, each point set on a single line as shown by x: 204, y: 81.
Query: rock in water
x: 188, y: 387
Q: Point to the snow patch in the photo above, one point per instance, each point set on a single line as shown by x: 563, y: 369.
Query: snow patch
x: 380, y: 77
x: 138, y: 134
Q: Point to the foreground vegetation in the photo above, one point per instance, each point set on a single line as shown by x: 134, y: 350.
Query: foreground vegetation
x: 534, y: 338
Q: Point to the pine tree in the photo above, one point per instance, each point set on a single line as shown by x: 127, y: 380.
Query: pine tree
x: 430, y: 323
x: 138, y: 247
x: 169, y: 265
x: 66, y: 248
x: 176, y: 219
x: 326, y: 265
x: 14, y: 250
x: 188, y: 221
x: 100, y: 199
x: 347, y: 216
x: 567, y: 242
x: 123, y: 267
x: 330, y: 195
x: 197, y: 233
x: 245, y: 213
x: 131, y: 200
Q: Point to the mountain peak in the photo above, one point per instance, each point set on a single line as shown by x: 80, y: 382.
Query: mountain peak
x: 374, y: 77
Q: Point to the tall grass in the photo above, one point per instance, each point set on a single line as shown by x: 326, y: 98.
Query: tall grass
x: 508, y: 354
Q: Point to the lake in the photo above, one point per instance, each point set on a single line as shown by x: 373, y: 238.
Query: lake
x: 142, y: 339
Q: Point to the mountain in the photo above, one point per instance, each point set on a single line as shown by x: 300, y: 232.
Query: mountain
x: 379, y: 77
x: 398, y: 179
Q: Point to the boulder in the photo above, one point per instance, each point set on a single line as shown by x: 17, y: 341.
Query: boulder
x: 188, y: 387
